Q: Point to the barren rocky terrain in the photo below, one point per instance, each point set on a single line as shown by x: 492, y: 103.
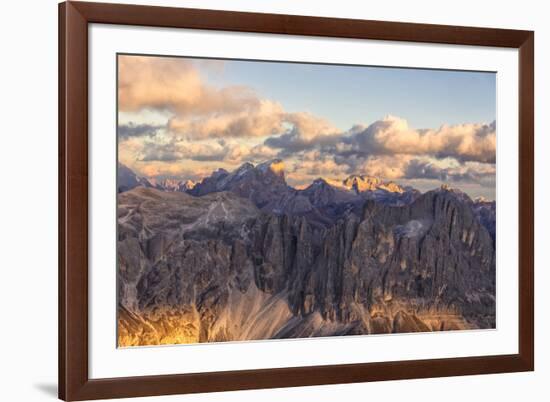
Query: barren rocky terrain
x: 243, y: 256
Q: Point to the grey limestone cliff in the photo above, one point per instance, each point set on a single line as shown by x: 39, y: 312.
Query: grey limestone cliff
x: 218, y: 267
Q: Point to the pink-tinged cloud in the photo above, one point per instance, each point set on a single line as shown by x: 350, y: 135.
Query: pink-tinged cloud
x: 252, y: 119
x: 199, y: 110
x: 175, y: 85
x: 464, y: 142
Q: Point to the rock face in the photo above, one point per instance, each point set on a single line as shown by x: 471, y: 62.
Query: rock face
x: 360, y: 184
x: 127, y: 179
x: 322, y: 202
x: 166, y: 184
x: 222, y: 265
x: 486, y: 214
x: 260, y: 184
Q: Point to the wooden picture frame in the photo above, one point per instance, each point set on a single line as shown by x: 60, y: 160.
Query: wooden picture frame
x: 74, y: 381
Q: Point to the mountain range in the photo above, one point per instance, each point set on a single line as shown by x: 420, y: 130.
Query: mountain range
x: 323, y: 201
x: 242, y: 255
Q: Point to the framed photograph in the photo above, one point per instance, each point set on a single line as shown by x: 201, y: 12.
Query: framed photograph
x: 259, y: 200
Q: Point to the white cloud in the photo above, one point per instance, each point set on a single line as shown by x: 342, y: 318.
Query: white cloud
x: 306, y: 131
x: 392, y: 135
x: 253, y: 119
x: 198, y: 110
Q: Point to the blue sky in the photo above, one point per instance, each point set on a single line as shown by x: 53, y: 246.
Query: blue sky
x: 347, y: 95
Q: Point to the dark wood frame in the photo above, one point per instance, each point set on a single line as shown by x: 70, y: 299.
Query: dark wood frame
x: 74, y: 17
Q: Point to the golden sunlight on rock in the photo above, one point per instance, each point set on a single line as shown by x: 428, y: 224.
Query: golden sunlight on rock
x: 167, y: 329
x: 170, y: 328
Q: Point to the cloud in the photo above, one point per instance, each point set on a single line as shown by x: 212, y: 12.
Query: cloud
x: 174, y: 84
x: 467, y: 172
x: 262, y: 152
x: 392, y: 135
x: 211, y: 126
x: 408, y: 167
x: 232, y: 152
x: 198, y: 110
x: 389, y: 136
x: 157, y: 169
x: 312, y: 164
x: 306, y: 131
x: 201, y: 111
x: 384, y: 166
x: 315, y: 163
x: 126, y: 131
x: 179, y: 150
x: 390, y: 149
x: 167, y: 152
x: 253, y: 119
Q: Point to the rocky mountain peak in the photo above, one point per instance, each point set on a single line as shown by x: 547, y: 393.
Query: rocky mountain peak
x: 202, y: 268
x: 392, y: 187
x: 482, y: 200
x: 270, y: 172
x: 245, y: 167
x: 323, y: 192
x: 324, y: 201
x: 321, y: 184
x: 275, y: 166
x: 128, y: 180
x: 186, y: 185
x: 445, y: 188
x: 219, y: 173
x: 361, y: 183
x: 165, y: 184
x: 261, y: 184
